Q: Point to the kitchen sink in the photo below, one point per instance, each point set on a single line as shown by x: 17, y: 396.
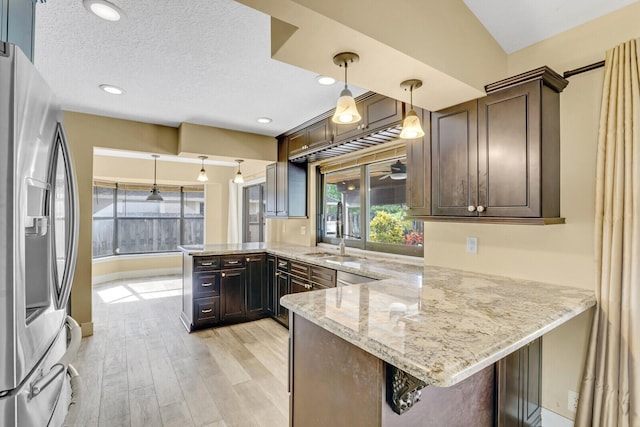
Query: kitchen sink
x: 318, y: 254
x: 338, y: 259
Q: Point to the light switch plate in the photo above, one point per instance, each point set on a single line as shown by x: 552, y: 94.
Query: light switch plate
x: 472, y: 245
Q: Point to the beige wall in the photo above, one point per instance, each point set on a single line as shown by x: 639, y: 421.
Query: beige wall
x: 113, y: 268
x: 85, y: 131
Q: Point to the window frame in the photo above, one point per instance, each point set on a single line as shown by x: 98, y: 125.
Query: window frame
x: 363, y: 243
x: 115, y: 217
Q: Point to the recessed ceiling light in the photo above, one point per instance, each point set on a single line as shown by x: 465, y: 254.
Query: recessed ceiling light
x: 113, y: 90
x: 264, y: 120
x: 325, y: 80
x: 104, y: 9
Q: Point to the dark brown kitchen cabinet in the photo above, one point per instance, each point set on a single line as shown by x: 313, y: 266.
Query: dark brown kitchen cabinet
x: 311, y: 138
x: 519, y: 387
x: 498, y: 156
x: 378, y: 112
x: 223, y: 289
x: 271, y: 285
x: 286, y: 186
x: 419, y: 170
x: 17, y: 23
x: 256, y: 285
x: 454, y: 159
x: 282, y: 287
x: 232, y: 287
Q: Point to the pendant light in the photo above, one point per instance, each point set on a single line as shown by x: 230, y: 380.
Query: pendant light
x: 239, y: 179
x: 411, y: 127
x: 202, y: 176
x: 155, y: 194
x: 346, y: 110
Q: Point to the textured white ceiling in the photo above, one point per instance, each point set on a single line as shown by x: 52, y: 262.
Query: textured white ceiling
x: 199, y: 61
x: 516, y: 24
x: 208, y: 61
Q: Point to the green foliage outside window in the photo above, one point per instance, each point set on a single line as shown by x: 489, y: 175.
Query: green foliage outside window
x: 385, y: 228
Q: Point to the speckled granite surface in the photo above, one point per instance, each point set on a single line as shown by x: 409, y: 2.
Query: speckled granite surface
x: 440, y: 325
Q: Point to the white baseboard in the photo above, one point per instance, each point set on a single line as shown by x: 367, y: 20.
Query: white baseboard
x: 134, y: 274
x: 551, y: 419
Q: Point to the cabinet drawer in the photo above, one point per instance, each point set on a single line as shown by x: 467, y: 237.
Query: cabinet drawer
x: 283, y: 264
x: 299, y: 269
x: 203, y: 263
x: 206, y: 310
x: 322, y: 276
x: 206, y: 284
x: 235, y: 261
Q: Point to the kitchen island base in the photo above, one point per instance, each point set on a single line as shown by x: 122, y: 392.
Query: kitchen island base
x: 333, y: 382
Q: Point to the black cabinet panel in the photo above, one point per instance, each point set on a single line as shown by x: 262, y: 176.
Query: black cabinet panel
x: 206, y: 311
x: 286, y: 186
x: 271, y: 284
x: 232, y: 285
x: 206, y: 284
x: 282, y: 285
x: 256, y: 285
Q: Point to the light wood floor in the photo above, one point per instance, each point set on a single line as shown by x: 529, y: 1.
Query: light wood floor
x: 142, y: 368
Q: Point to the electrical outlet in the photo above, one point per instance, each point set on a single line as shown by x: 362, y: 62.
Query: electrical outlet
x: 572, y: 400
x: 472, y: 245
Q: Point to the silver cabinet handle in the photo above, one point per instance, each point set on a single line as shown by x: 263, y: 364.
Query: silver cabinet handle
x: 224, y: 274
x: 471, y: 208
x: 480, y: 208
x: 232, y: 262
x: 278, y: 273
x: 206, y: 263
x: 248, y: 259
x: 207, y: 310
x: 206, y: 285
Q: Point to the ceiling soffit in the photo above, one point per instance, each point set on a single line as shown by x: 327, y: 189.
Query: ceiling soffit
x: 394, y: 45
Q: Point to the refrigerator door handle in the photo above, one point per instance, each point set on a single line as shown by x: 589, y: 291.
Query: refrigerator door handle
x: 77, y: 391
x: 62, y: 365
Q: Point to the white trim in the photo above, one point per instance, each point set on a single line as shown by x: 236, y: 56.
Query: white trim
x: 551, y: 419
x: 132, y: 274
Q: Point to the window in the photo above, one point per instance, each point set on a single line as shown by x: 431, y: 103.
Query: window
x: 373, y: 198
x: 124, y: 222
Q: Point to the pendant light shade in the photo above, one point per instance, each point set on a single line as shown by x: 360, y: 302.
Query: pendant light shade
x: 202, y: 176
x: 239, y: 179
x: 155, y: 194
x: 411, y: 127
x: 346, y: 110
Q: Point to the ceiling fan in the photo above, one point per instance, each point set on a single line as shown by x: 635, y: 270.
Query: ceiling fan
x: 398, y: 170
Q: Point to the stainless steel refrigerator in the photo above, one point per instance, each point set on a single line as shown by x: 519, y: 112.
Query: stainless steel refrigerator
x: 38, y: 241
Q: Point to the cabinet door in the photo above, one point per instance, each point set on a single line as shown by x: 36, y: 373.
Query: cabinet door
x: 282, y: 176
x: 519, y: 387
x: 319, y: 135
x: 256, y: 285
x: 509, y: 172
x: 206, y: 311
x: 206, y: 284
x: 382, y: 112
x: 298, y: 143
x: 419, y: 170
x: 271, y: 284
x: 282, y: 281
x: 454, y: 160
x: 271, y: 190
x: 20, y: 22
x: 232, y: 283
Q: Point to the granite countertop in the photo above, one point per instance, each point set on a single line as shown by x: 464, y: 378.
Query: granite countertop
x: 440, y: 325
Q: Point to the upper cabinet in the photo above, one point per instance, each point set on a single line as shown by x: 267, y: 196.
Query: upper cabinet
x: 320, y: 138
x: 286, y: 186
x: 496, y: 158
x: 419, y: 170
x: 17, y: 21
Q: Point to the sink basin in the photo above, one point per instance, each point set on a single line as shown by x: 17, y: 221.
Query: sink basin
x: 318, y: 254
x: 340, y: 259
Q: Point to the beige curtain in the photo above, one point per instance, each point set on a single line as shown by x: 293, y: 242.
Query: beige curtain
x: 610, y: 392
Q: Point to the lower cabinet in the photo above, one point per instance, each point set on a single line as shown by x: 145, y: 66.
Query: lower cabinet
x: 271, y: 285
x: 221, y: 289
x: 519, y: 387
x: 282, y: 288
x: 232, y: 287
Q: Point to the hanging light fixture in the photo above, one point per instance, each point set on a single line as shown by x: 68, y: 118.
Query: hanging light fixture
x: 346, y: 110
x: 411, y: 127
x: 155, y: 194
x: 202, y: 176
x: 239, y: 179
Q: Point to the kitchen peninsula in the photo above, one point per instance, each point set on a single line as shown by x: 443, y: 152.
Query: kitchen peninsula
x: 424, y: 343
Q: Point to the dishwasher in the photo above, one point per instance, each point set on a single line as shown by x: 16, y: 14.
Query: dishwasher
x: 346, y: 279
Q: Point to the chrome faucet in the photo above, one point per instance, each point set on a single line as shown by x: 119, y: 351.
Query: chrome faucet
x: 341, y: 246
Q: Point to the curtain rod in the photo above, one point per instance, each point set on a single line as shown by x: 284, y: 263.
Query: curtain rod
x: 584, y: 69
